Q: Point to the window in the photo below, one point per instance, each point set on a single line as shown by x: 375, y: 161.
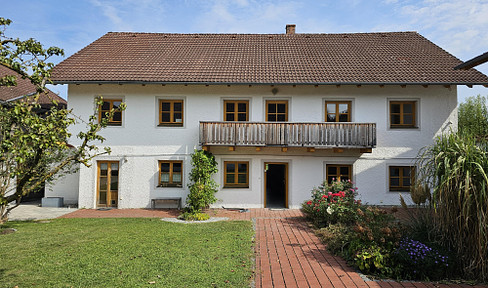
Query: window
x: 401, y: 177
x: 236, y: 110
x: 106, y: 107
x: 276, y: 111
x: 170, y: 173
x: 402, y: 114
x: 236, y: 174
x: 338, y: 111
x: 341, y: 172
x: 171, y: 113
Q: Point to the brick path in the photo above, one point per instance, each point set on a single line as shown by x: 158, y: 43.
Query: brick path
x: 288, y: 254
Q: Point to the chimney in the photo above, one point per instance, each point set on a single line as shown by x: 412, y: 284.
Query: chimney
x: 290, y: 28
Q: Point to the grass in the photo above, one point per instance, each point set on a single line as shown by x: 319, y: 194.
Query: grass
x: 126, y: 253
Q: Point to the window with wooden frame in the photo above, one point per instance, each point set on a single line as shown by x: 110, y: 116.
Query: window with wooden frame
x: 106, y: 107
x: 277, y: 111
x: 170, y: 173
x: 402, y: 114
x: 171, y: 113
x: 338, y: 172
x: 401, y: 178
x: 236, y: 110
x: 236, y: 174
x: 338, y: 111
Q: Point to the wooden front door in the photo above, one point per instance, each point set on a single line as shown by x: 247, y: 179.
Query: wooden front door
x: 108, y: 184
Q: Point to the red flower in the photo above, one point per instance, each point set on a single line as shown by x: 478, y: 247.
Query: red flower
x: 309, y: 203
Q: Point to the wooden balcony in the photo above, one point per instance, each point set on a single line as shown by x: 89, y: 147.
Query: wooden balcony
x: 282, y: 134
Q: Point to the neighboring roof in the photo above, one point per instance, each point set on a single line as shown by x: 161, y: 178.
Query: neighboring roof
x: 357, y: 58
x: 25, y: 87
x: 473, y: 62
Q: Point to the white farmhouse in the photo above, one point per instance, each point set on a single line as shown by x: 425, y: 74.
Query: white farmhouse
x: 281, y: 113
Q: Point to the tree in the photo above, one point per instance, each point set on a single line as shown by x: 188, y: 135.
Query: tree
x: 202, y: 186
x: 473, y: 117
x: 33, y: 147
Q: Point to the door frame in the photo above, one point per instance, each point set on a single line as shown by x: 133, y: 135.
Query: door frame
x: 109, y: 196
x: 286, y: 180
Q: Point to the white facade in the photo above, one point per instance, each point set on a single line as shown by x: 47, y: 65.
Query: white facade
x: 139, y: 143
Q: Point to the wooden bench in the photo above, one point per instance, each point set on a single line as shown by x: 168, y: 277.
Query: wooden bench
x: 176, y: 200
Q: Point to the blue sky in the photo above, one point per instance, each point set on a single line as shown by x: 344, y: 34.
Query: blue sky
x: 458, y: 26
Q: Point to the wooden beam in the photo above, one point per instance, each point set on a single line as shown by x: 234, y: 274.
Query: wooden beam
x: 382, y: 86
x: 425, y: 86
x: 447, y: 86
x: 365, y: 150
x: 486, y: 86
x: 205, y: 148
x: 338, y: 86
x: 284, y: 149
x: 228, y: 85
x: 470, y: 86
x: 294, y: 85
x: 338, y: 150
x: 403, y: 86
x: 311, y: 149
x: 258, y: 149
x: 232, y: 148
x: 359, y: 86
x: 316, y: 86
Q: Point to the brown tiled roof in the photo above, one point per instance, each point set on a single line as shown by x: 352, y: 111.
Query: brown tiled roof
x: 358, y: 58
x: 25, y: 87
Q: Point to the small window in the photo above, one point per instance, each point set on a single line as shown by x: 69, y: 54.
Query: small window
x: 338, y: 111
x: 402, y: 114
x: 276, y: 111
x: 106, y: 107
x: 236, y: 174
x: 236, y: 110
x: 170, y: 173
x: 338, y: 172
x: 171, y: 113
x: 401, y: 178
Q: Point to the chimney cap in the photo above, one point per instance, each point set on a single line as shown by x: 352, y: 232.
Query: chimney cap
x: 290, y: 28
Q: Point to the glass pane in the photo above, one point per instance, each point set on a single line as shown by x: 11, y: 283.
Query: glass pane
x: 406, y: 171
x: 281, y: 117
x: 395, y: 119
x: 102, y: 198
x: 242, y: 168
x: 230, y: 179
x: 103, y: 168
x: 114, y: 183
x: 407, y: 119
x: 344, y: 171
x: 231, y: 167
x: 103, y: 184
x: 106, y: 105
x: 331, y: 108
x: 116, y: 104
x: 343, y: 118
x: 165, y: 117
x: 407, y: 108
x: 117, y: 117
x: 164, y: 177
x: 395, y: 182
x: 114, y: 173
x: 178, y: 117
x: 242, y: 117
x: 395, y: 108
x: 178, y: 106
x: 242, y: 179
x: 165, y: 106
x: 164, y: 167
x: 114, y: 166
x: 331, y: 118
x: 176, y: 167
x: 331, y: 170
x: 343, y: 108
x: 229, y: 117
x: 272, y: 117
x: 271, y: 108
x: 242, y: 107
x: 394, y: 172
x: 329, y: 179
x: 406, y: 182
x: 281, y: 108
x: 176, y: 178
x: 229, y: 107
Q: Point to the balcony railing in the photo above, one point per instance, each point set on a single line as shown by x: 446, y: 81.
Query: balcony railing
x: 319, y: 135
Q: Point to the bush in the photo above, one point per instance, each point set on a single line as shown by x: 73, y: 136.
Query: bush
x: 188, y: 216
x: 202, y: 186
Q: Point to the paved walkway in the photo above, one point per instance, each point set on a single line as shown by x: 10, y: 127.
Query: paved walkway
x: 288, y: 254
x: 32, y: 211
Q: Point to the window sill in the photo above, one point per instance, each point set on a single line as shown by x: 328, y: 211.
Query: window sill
x: 170, y: 186
x: 236, y: 187
x: 171, y: 125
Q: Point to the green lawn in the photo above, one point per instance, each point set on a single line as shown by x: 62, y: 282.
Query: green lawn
x: 126, y: 253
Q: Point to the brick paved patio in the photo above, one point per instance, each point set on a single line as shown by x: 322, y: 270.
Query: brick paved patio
x: 288, y: 254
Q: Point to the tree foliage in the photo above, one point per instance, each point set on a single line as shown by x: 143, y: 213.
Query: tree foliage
x: 473, y: 117
x: 33, y: 146
x: 202, y: 186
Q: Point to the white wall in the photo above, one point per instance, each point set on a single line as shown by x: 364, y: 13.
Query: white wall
x: 140, y: 143
x: 66, y: 187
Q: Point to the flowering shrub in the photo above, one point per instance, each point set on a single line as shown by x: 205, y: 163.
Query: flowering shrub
x: 332, y: 203
x: 419, y: 261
